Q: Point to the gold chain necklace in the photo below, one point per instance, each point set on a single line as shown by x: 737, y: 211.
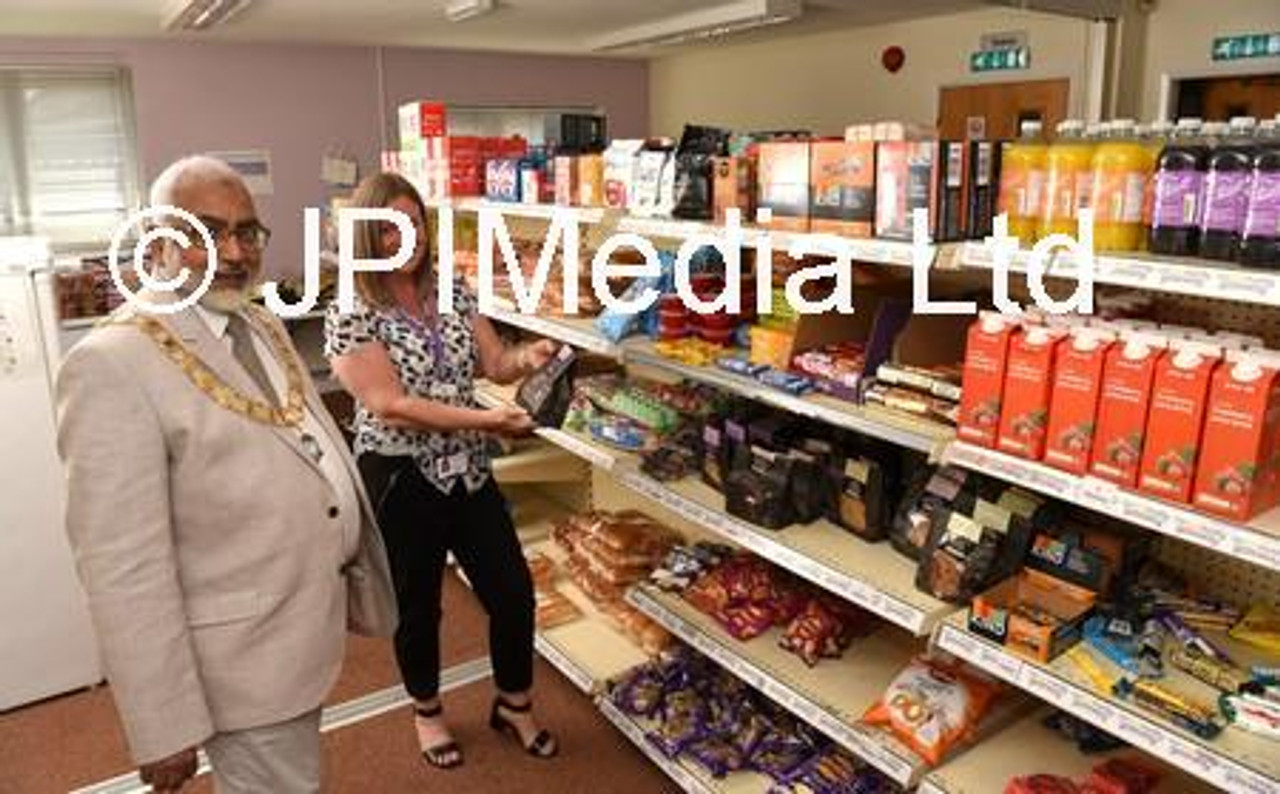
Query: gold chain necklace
x: 217, y: 389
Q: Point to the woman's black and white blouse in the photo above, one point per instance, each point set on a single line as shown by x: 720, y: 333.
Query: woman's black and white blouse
x: 437, y: 364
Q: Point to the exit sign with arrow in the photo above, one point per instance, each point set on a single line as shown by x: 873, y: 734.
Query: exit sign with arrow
x: 1249, y: 45
x: 1000, y: 59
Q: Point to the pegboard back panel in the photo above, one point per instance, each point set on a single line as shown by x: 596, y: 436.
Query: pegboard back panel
x: 1219, y: 576
x: 608, y: 494
x: 1219, y: 315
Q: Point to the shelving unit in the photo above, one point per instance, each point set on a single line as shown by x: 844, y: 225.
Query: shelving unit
x: 1235, y: 761
x: 1257, y: 542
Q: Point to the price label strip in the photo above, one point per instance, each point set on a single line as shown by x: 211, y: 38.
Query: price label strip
x: 579, y: 677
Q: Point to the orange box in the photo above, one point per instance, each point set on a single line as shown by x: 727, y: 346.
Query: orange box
x: 986, y: 353
x: 735, y: 187
x: 1127, y: 374
x: 771, y: 347
x: 1237, y: 474
x: 590, y: 180
x: 843, y: 177
x: 1028, y: 381
x: 784, y: 184
x: 1073, y: 406
x: 566, y: 180
x: 1179, y: 397
x: 1000, y: 614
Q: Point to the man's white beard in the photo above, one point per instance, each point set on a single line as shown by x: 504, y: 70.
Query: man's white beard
x: 225, y: 301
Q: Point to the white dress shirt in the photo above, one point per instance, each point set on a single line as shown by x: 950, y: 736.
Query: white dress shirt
x: 335, y: 471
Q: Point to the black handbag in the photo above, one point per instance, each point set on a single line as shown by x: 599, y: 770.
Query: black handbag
x: 546, y: 393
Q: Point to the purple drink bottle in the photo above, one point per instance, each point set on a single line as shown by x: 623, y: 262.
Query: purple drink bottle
x: 1179, y: 181
x: 1260, y: 240
x: 1226, y: 192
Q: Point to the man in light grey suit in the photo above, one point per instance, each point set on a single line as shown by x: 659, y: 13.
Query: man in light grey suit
x: 218, y: 522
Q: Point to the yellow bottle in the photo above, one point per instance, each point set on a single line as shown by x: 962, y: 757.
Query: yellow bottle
x: 1022, y: 171
x: 1068, y: 179
x: 1122, y: 168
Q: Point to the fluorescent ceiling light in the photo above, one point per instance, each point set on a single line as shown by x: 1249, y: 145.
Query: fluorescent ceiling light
x: 201, y: 14
x: 703, y: 24
x: 461, y: 10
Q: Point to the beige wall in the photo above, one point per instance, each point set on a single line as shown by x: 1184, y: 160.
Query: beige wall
x: 824, y: 81
x: 1180, y: 36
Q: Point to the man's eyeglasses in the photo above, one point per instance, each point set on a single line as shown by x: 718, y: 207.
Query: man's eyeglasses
x: 250, y: 236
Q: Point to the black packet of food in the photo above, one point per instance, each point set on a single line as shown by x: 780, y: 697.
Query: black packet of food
x: 695, y: 164
x: 547, y: 392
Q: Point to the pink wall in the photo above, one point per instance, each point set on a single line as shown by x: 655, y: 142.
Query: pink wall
x: 301, y: 101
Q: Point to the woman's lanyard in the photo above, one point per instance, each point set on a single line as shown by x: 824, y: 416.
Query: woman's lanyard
x: 431, y: 332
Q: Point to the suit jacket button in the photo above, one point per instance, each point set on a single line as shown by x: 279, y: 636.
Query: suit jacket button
x: 333, y: 512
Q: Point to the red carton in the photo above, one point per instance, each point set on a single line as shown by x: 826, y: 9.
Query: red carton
x: 1127, y: 374
x: 421, y: 120
x: 1073, y: 408
x: 985, y: 356
x: 1028, y: 379
x: 1179, y: 397
x: 1238, y: 472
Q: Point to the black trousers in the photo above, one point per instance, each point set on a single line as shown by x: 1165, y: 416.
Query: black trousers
x: 421, y: 525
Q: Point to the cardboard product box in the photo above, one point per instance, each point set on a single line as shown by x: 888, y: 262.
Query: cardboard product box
x: 1083, y: 556
x: 734, y: 187
x: 1073, y: 405
x: 647, y: 192
x: 590, y: 180
x: 985, y: 358
x: 566, y: 180
x: 1028, y: 382
x: 1001, y: 614
x: 465, y: 165
x: 620, y: 172
x: 860, y: 132
x: 421, y: 119
x: 531, y: 179
x: 1127, y: 375
x: 984, y: 182
x: 1179, y: 398
x: 843, y: 177
x: 1237, y: 476
x: 502, y: 179
x: 954, y: 187
x: 784, y: 184
x: 905, y: 181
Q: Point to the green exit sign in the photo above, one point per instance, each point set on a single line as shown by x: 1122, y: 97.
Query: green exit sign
x: 1250, y: 45
x: 1000, y: 60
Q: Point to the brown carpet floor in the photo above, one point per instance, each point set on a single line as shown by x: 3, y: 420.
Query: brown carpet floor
x: 76, y: 740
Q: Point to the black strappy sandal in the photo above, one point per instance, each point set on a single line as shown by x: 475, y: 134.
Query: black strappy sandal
x: 442, y: 756
x: 543, y: 745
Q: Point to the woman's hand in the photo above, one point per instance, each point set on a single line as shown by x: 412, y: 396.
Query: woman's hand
x: 534, y: 355
x: 508, y: 421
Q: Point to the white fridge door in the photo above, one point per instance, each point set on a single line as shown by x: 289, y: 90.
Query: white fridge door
x: 47, y: 645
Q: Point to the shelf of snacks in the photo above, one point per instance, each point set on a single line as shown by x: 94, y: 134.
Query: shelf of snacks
x: 1257, y: 542
x: 1029, y: 749
x: 870, y: 420
x: 870, y: 575
x: 1180, y: 276
x: 489, y: 395
x: 711, y: 733
x: 516, y: 209
x: 1081, y: 682
x: 832, y: 695
x: 538, y: 463
x: 579, y: 332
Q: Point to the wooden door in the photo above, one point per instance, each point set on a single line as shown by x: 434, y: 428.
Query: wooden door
x: 1220, y: 98
x: 996, y: 109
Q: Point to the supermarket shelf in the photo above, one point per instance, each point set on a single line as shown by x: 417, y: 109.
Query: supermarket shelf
x: 578, y: 332
x: 871, y: 575
x: 1179, y: 276
x: 689, y: 777
x: 537, y: 463
x: 1027, y: 747
x: 831, y: 696
x: 873, y: 421
x: 514, y: 209
x: 1257, y: 542
x: 1235, y: 761
x: 489, y: 395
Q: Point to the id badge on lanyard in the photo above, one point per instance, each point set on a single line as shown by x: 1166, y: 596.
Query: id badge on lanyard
x: 451, y: 466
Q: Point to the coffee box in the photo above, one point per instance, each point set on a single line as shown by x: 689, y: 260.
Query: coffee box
x: 590, y: 180
x: 784, y: 184
x: 954, y: 185
x: 984, y: 183
x: 1127, y: 375
x: 1073, y: 406
x: 905, y: 182
x: 1179, y: 398
x: 843, y: 174
x: 1237, y: 474
x: 734, y: 187
x: 985, y: 357
x: 1028, y: 381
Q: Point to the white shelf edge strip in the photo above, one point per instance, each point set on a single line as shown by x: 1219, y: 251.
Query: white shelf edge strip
x: 856, y: 591
x: 857, y: 741
x: 1241, y: 542
x: 627, y: 726
x: 558, y: 659
x: 1158, y: 740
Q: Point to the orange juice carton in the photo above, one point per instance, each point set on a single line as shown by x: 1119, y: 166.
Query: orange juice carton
x: 1179, y: 397
x: 1127, y: 374
x: 1237, y: 476
x: 1073, y: 406
x: 843, y: 177
x: 1028, y: 381
x: 985, y: 356
x: 784, y: 184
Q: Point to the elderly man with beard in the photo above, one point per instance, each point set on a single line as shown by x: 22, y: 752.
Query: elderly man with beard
x: 219, y: 525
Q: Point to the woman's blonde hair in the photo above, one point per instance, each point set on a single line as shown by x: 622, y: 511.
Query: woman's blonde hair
x: 378, y: 191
